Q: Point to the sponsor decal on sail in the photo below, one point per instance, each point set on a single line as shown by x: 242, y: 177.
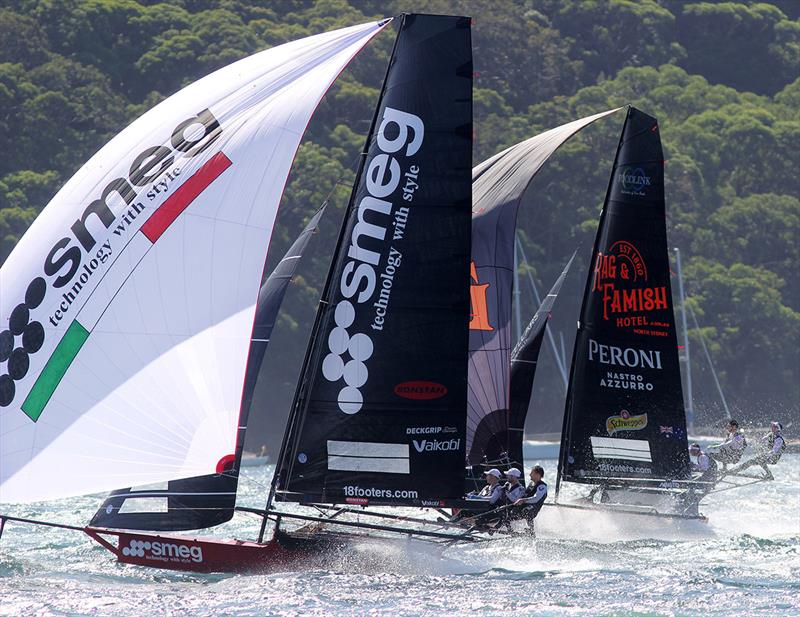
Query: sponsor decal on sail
x: 625, y: 422
x: 620, y: 278
x: 75, y: 263
x: 420, y: 390
x: 628, y: 357
x: 429, y: 445
x: 479, y: 311
x: 430, y: 430
x: 633, y: 181
x: 372, y: 241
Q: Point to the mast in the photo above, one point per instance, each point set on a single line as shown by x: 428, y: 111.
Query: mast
x: 686, y: 356
x: 300, y: 392
x: 517, y: 292
x: 561, y: 362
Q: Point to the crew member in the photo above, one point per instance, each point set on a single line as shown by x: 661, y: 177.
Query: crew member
x: 513, y: 489
x: 701, y: 463
x: 528, y: 507
x: 492, y: 492
x: 730, y: 450
x: 772, y: 447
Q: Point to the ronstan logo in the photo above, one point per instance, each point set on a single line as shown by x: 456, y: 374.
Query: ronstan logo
x: 420, y: 390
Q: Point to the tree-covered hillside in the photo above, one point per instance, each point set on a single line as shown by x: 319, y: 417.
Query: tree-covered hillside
x: 722, y: 77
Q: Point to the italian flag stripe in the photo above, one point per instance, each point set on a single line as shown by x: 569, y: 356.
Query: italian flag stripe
x: 167, y: 212
x: 65, y: 352
x: 76, y: 335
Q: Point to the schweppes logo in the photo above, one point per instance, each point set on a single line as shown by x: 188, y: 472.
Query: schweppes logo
x: 479, y: 315
x: 625, y: 422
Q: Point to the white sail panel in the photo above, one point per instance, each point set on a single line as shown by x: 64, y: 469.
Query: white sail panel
x: 126, y: 309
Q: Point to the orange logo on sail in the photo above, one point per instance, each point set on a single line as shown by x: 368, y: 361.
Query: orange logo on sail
x: 479, y: 317
x: 625, y: 422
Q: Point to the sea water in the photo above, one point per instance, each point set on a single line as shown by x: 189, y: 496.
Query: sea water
x: 745, y: 561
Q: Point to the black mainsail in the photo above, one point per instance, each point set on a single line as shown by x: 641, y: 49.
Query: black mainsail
x: 498, y: 185
x: 379, y: 411
x: 624, y: 417
x: 204, y: 501
x: 524, y: 359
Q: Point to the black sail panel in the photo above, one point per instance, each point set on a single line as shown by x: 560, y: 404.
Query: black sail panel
x: 204, y: 501
x: 524, y: 359
x: 382, y: 394
x: 624, y: 416
x: 498, y: 186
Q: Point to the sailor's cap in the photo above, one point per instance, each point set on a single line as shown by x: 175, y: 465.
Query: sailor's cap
x: 778, y: 424
x: 694, y: 446
x: 492, y: 472
x: 514, y: 472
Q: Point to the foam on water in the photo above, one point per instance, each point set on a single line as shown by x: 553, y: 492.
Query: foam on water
x: 745, y: 561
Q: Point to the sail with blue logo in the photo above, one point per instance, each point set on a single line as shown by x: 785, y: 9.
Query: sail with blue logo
x: 624, y: 419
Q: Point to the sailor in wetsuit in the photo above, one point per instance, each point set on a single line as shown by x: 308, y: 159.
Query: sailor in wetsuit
x: 528, y: 506
x: 513, y: 489
x: 730, y: 450
x: 772, y: 447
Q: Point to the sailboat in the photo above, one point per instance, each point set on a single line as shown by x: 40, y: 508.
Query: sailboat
x: 625, y: 423
x: 494, y: 419
x: 146, y: 351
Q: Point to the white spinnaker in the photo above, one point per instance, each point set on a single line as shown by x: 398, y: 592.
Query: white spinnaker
x: 135, y: 374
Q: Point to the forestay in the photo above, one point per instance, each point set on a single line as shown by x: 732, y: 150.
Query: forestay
x: 624, y: 416
x: 129, y: 303
x: 379, y: 415
x: 498, y: 185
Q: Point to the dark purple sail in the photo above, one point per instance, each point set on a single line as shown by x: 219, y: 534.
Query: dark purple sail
x: 205, y: 501
x: 498, y: 186
x: 624, y: 417
x: 379, y: 412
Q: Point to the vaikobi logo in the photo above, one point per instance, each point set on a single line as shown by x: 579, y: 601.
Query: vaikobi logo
x: 163, y: 551
x: 72, y: 263
x: 430, y: 445
x: 359, y: 278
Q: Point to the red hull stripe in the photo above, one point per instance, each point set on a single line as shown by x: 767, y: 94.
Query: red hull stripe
x: 167, y: 212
